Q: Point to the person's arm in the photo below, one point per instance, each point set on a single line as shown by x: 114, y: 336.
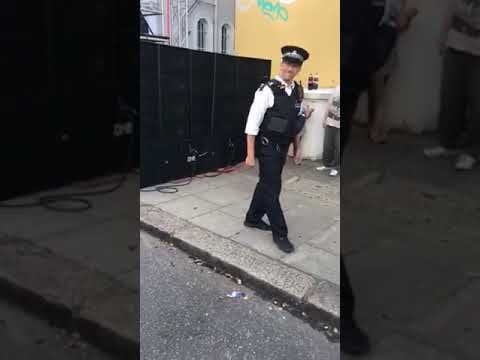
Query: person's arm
x: 406, y: 16
x: 250, y: 160
x: 262, y: 101
x: 329, y: 107
x: 446, y: 25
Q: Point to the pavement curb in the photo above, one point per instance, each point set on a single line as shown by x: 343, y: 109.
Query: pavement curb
x: 319, y: 299
x: 70, y: 296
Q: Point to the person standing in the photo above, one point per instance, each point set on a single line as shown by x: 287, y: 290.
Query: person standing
x: 393, y: 18
x: 460, y: 91
x: 331, y: 143
x: 272, y: 125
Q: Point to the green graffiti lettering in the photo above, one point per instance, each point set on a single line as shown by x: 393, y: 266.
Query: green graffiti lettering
x: 274, y: 12
x: 283, y: 13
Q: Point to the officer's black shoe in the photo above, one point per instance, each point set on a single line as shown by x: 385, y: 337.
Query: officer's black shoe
x: 353, y: 340
x: 261, y: 225
x: 283, y: 243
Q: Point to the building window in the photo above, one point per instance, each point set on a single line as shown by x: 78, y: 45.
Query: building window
x: 225, y: 38
x: 201, y: 34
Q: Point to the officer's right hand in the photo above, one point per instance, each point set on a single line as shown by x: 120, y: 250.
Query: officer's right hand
x: 250, y: 161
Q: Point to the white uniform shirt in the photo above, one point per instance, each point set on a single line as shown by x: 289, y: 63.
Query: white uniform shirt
x: 263, y: 101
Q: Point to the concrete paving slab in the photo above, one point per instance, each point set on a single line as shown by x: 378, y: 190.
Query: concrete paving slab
x: 328, y: 240
x: 245, y: 186
x: 119, y: 203
x: 315, y: 262
x: 35, y: 223
x: 306, y: 223
x: 111, y: 247
x: 152, y: 197
x: 323, y: 192
x: 197, y: 185
x: 224, y: 196
x: 36, y: 269
x: 238, y: 209
x: 236, y: 177
x: 290, y: 200
x: 260, y: 241
x: 220, y: 223
x: 188, y: 207
x: 167, y: 223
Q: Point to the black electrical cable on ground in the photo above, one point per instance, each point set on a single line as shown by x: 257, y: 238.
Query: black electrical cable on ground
x: 52, y: 202
x: 172, y: 187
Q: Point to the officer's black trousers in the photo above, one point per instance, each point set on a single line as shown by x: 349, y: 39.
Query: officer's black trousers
x: 271, y: 158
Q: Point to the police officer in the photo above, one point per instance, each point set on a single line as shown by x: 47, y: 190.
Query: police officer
x: 274, y: 120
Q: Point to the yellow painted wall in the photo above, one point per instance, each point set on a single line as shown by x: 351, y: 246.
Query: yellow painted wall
x: 264, y: 26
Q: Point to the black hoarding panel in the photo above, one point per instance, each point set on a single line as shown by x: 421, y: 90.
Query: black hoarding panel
x: 62, y: 71
x: 202, y: 86
x: 197, y: 108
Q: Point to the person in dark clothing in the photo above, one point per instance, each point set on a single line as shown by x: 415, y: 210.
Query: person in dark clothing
x: 357, y: 66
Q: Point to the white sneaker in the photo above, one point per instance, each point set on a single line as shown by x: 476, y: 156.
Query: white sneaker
x: 333, y: 172
x: 465, y: 162
x: 438, y: 151
x: 323, y: 168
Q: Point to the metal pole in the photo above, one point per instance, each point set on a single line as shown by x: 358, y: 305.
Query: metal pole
x: 215, y: 27
x: 169, y: 22
x: 179, y: 23
x: 186, y: 23
x: 162, y: 16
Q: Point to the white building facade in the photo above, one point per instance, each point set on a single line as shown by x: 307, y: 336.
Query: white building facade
x: 207, y: 25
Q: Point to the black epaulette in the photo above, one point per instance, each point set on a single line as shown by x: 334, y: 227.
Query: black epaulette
x: 270, y: 84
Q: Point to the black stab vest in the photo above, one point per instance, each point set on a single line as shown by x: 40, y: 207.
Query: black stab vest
x: 279, y: 123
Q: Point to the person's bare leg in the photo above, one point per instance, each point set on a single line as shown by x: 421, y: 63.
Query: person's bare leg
x: 296, y: 150
x: 377, y: 129
x: 371, y: 104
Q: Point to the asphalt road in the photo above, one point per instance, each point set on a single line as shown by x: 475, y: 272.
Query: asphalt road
x: 25, y: 337
x: 187, y: 315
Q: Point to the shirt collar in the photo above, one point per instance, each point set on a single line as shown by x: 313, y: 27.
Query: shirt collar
x: 291, y: 86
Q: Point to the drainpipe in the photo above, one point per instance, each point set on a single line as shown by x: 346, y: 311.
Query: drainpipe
x: 215, y: 27
x: 168, y: 22
x: 186, y: 24
x: 179, y: 19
